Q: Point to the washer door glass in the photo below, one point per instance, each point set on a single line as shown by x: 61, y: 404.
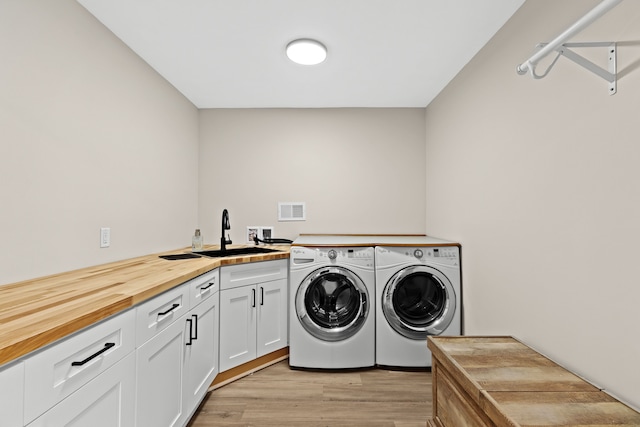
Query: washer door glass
x: 331, y: 303
x: 419, y: 301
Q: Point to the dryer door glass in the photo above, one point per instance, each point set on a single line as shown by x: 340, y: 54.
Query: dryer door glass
x: 419, y: 301
x: 331, y: 303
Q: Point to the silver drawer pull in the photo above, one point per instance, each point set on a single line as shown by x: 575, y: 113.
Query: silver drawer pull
x: 106, y: 347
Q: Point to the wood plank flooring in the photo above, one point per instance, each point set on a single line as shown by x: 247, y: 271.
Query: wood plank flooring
x: 284, y: 397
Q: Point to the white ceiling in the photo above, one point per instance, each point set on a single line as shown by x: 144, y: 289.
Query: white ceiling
x: 231, y: 53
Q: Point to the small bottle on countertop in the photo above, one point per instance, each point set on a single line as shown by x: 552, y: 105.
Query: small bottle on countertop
x: 196, y: 241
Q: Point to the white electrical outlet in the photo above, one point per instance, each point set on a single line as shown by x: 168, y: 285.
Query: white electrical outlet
x: 266, y: 232
x: 252, y: 231
x: 105, y: 237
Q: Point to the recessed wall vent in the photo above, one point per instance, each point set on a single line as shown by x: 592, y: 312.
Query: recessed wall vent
x: 291, y: 211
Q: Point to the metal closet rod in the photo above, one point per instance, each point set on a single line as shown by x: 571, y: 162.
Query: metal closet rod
x: 582, y: 23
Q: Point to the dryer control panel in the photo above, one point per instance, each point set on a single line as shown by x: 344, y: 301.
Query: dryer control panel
x: 349, y: 253
x: 446, y: 254
x: 361, y: 256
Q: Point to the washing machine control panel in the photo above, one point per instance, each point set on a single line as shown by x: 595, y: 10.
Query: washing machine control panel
x: 443, y: 253
x: 338, y: 254
x: 348, y: 253
x: 305, y: 255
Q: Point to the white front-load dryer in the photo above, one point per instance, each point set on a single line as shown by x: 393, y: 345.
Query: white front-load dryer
x: 332, y: 317
x: 418, y: 293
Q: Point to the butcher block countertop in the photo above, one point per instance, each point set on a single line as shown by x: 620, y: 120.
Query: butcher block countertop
x: 37, y: 312
x: 499, y: 381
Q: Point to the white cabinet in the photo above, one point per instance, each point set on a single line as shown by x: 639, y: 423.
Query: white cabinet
x: 159, y: 312
x: 272, y: 323
x: 253, y: 311
x: 12, y: 395
x: 201, y: 355
x: 237, y: 326
x: 105, y: 401
x: 178, y: 361
x: 160, y: 377
x: 56, y: 372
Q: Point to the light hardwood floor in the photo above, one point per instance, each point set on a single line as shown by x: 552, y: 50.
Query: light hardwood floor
x: 284, y: 397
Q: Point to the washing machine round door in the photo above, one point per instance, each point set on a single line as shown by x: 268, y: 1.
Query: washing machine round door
x: 419, y: 301
x: 332, y: 303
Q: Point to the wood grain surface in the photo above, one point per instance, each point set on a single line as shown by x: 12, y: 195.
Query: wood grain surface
x: 37, y: 312
x: 487, y: 381
x: 284, y: 397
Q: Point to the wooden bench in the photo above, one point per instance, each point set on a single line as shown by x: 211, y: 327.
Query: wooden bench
x: 499, y: 381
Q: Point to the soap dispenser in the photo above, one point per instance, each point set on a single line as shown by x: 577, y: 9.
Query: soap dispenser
x: 196, y: 241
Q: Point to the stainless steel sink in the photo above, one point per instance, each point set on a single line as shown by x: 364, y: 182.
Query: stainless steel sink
x: 236, y: 252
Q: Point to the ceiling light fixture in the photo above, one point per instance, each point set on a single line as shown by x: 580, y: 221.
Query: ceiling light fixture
x: 306, y: 52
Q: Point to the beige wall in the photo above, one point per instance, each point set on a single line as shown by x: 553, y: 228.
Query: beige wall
x: 536, y: 179
x: 358, y: 170
x: 539, y: 181
x: 90, y: 137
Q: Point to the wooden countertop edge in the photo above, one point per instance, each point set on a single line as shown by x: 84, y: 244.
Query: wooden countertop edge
x: 40, y: 339
x: 21, y: 335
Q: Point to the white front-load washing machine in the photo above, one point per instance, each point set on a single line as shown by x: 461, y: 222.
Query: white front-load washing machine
x: 331, y: 317
x: 418, y: 293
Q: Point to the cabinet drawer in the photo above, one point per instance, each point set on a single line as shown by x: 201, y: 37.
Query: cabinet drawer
x: 203, y: 287
x: 234, y: 276
x: 159, y: 312
x: 54, y: 373
x: 11, y: 395
x: 106, y: 401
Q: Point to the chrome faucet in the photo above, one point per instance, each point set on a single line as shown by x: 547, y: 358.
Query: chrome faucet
x: 225, y: 226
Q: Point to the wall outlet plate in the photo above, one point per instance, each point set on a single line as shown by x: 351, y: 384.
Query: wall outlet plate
x: 105, y: 237
x: 261, y: 232
x: 266, y: 232
x: 252, y: 231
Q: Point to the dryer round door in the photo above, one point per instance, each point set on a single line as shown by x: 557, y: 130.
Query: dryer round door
x: 332, y: 303
x: 419, y: 301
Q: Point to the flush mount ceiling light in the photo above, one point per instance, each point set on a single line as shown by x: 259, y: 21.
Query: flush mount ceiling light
x: 306, y: 52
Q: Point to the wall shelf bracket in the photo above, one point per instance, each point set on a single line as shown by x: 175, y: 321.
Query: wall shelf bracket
x: 610, y: 75
x: 558, y: 45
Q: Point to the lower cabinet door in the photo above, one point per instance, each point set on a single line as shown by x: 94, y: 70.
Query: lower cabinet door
x: 201, y: 355
x: 160, y: 378
x: 273, y: 325
x: 106, y: 401
x: 237, y: 326
x: 12, y: 395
